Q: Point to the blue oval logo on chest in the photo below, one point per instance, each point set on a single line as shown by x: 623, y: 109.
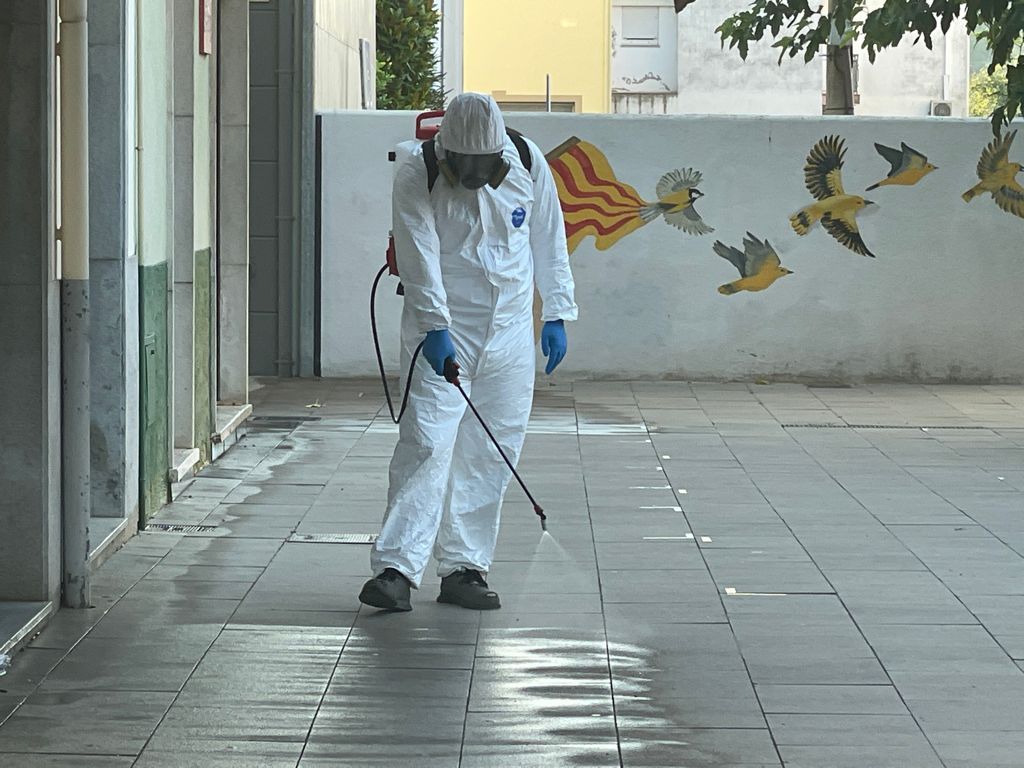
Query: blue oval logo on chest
x: 518, y: 217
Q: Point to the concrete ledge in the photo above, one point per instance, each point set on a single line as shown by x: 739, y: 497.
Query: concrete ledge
x: 230, y: 427
x: 113, y: 538
x: 185, y: 462
x: 19, y: 622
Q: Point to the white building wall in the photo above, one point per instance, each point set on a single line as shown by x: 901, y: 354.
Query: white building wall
x: 902, y: 82
x: 337, y: 30
x: 935, y: 305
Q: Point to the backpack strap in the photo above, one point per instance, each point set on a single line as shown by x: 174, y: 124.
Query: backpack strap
x: 430, y: 160
x: 525, y: 156
x: 433, y: 171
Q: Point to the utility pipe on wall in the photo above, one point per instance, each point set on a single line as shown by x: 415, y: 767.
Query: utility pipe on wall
x: 74, y: 237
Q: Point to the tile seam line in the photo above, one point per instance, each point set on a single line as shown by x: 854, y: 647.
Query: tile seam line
x: 842, y: 602
x: 174, y: 700
x: 707, y: 567
x: 600, y: 586
x: 80, y: 639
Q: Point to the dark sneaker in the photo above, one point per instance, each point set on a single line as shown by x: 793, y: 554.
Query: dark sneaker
x: 469, y: 589
x: 389, y: 591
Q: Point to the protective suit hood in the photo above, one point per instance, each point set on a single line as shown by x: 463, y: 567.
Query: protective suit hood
x: 472, y: 125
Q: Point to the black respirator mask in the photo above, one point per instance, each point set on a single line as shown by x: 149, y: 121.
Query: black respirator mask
x: 474, y: 171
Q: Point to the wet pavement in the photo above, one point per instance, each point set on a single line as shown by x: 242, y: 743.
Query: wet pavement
x: 738, y: 576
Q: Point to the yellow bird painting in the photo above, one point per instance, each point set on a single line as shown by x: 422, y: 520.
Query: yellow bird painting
x: 836, y: 210
x: 999, y: 177
x: 908, y: 166
x: 759, y: 265
x: 677, y: 192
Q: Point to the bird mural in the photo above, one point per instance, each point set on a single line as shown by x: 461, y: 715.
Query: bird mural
x: 908, y: 166
x: 834, y: 208
x: 758, y: 263
x: 677, y: 192
x: 596, y: 204
x: 999, y: 177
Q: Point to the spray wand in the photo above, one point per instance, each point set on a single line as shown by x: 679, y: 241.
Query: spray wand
x: 451, y: 374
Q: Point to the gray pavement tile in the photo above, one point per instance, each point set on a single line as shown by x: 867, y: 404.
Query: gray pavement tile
x: 259, y: 679
x: 67, y: 627
x: 247, y: 574
x: 410, y: 656
x: 831, y: 699
x: 100, y: 665
x: 288, y: 641
x: 221, y: 754
x: 498, y: 729
x: 203, y: 728
x: 628, y: 586
x: 288, y: 495
x: 907, y: 646
x: 652, y: 554
x: 190, y: 589
x: 990, y: 712
x: 418, y: 754
x: 9, y: 702
x: 668, y: 709
x: 248, y: 617
x: 862, y: 755
x: 22, y: 760
x: 457, y: 624
x: 84, y: 722
x: 697, y: 747
x: 139, y: 616
x: 846, y: 730
x: 978, y: 749
x: 599, y: 755
x: 702, y: 608
x: 353, y: 683
x: 28, y: 668
x: 908, y: 597
x: 222, y: 552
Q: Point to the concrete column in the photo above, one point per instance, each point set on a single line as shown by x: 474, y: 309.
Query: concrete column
x: 29, y: 309
x: 114, y: 272
x: 75, y: 380
x: 233, y: 205
x: 183, y: 261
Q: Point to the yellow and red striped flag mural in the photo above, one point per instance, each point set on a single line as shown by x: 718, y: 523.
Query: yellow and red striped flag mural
x: 594, y: 202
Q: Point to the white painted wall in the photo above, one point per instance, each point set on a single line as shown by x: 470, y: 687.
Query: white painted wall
x: 939, y: 303
x: 337, y: 29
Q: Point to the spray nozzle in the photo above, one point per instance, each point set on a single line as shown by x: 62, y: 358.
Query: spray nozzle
x: 542, y: 516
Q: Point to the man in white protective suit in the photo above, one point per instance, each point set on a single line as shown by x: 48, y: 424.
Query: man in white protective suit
x: 477, y: 224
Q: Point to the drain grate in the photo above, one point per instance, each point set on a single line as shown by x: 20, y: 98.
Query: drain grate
x: 332, y: 538
x: 281, y: 422
x: 877, y: 426
x: 173, y: 528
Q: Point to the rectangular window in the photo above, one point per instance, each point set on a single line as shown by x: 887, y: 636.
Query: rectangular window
x: 640, y: 25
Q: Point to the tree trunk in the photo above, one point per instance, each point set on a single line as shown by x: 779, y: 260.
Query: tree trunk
x: 838, y: 78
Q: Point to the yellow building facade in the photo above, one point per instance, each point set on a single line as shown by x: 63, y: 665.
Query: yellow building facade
x: 509, y: 50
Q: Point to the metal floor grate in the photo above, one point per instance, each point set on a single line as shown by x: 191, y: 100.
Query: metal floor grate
x: 332, y: 538
x: 174, y: 528
x: 280, y: 422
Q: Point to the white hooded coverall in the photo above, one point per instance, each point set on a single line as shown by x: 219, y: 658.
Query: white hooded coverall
x: 468, y: 260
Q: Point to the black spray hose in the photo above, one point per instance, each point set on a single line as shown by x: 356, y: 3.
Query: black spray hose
x: 380, y: 358
x: 451, y: 374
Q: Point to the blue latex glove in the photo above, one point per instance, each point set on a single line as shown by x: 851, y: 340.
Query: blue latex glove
x: 437, y: 348
x: 553, y: 343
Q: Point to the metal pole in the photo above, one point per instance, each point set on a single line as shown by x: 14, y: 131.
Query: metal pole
x: 547, y: 93
x: 74, y: 238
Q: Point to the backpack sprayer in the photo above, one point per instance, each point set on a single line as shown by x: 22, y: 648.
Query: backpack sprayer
x: 426, y: 132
